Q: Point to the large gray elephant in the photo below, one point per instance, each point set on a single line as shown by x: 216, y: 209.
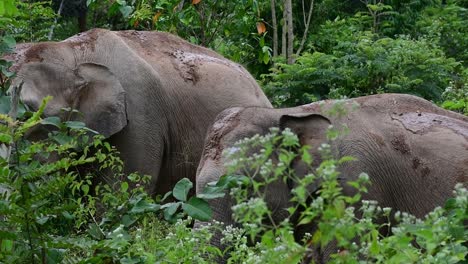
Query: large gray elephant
x: 152, y: 94
x: 413, y: 151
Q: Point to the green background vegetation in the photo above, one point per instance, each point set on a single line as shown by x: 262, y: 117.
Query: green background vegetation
x: 324, y: 49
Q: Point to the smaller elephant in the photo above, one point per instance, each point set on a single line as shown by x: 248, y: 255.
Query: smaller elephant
x: 413, y: 151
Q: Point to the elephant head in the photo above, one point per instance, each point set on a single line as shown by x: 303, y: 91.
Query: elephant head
x: 51, y: 69
x: 235, y: 124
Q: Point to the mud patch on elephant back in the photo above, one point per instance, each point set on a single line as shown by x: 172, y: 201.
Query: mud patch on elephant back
x: 85, y: 40
x: 187, y: 65
x: 422, y: 122
x: 18, y: 55
x: 225, y: 122
x: 400, y: 145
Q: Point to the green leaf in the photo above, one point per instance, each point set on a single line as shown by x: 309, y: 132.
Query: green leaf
x: 62, y: 138
x: 5, y: 138
x: 133, y: 260
x: 67, y: 215
x: 5, y: 104
x: 42, y: 220
x: 212, y: 192
x: 170, y: 210
x: 128, y: 220
x: 95, y: 231
x: 126, y: 11
x: 306, y: 157
x: 166, y: 196
x: 124, y: 186
x: 144, y: 206
x: 181, y: 189
x: 85, y: 189
x: 75, y: 124
x: 54, y: 256
x: 198, y: 209
x: 6, y: 245
x: 9, y: 41
x: 52, y: 120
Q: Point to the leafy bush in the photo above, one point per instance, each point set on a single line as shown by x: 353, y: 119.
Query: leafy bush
x: 456, y: 95
x: 446, y: 26
x: 358, y: 63
x: 33, y: 21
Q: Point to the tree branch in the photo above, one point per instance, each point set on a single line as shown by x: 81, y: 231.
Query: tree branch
x: 59, y: 13
x: 306, y: 30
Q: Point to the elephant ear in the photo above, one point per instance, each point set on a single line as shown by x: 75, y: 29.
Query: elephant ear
x: 101, y: 99
x: 310, y: 128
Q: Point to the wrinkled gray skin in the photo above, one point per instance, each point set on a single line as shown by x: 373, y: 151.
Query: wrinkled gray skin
x: 413, y: 151
x: 152, y: 94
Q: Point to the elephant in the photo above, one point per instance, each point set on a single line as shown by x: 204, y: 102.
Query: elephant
x: 151, y: 94
x: 413, y: 151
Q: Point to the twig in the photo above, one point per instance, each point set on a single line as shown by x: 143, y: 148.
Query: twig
x: 307, y: 25
x: 59, y: 13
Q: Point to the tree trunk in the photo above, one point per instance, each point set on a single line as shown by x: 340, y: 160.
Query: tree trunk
x: 306, y: 30
x: 82, y: 20
x: 284, y: 32
x: 290, y: 50
x: 275, y: 28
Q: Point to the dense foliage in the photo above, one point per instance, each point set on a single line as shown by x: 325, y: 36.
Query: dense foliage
x: 66, y: 199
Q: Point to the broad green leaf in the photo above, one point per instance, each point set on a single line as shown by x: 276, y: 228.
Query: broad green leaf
x: 51, y: 120
x: 75, y: 124
x: 181, y: 189
x: 128, y: 220
x: 5, y: 104
x: 62, y: 138
x: 144, y: 206
x: 170, y: 210
x: 198, y: 209
x: 166, y: 195
x: 212, y: 192
x: 124, y: 186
